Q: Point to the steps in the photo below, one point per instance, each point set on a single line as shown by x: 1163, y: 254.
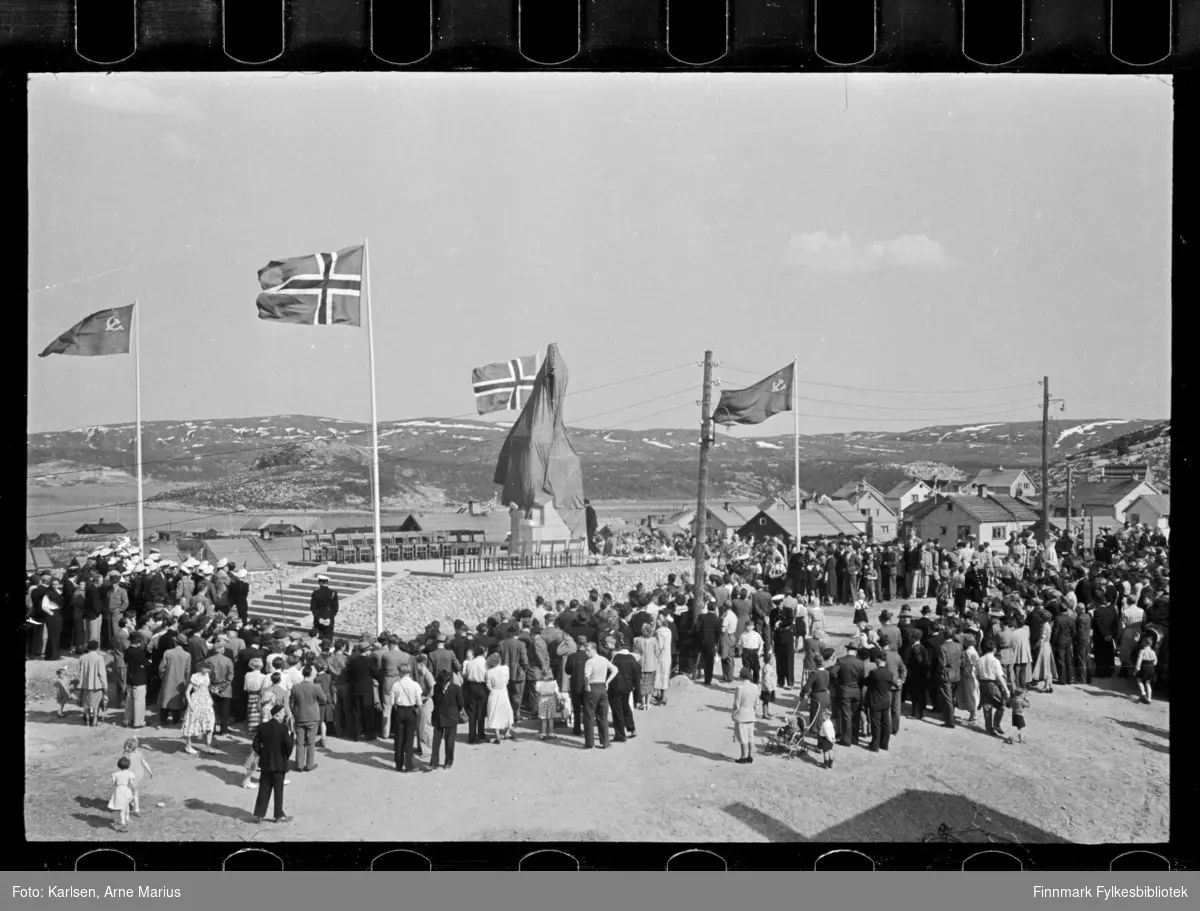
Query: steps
x: 290, y: 607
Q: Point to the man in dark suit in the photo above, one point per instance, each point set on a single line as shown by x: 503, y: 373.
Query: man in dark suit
x: 239, y: 594
x: 324, y: 607
x: 515, y: 656
x: 708, y: 629
x: 1083, y: 644
x: 364, y: 693
x: 577, y: 682
x: 1062, y: 641
x: 627, y: 682
x: 846, y: 683
x: 273, y: 745
x: 591, y: 524
x: 879, y: 702
x: 950, y: 655
x: 1106, y: 626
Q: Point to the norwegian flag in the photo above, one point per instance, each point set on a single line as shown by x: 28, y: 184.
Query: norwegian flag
x: 323, y: 289
x: 503, y: 386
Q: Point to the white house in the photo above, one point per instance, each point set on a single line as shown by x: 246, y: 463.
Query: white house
x: 906, y: 493
x: 1014, y: 482
x: 1152, y: 510
x: 990, y: 517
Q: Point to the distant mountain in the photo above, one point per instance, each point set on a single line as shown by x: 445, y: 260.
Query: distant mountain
x: 1147, y: 445
x: 301, y: 462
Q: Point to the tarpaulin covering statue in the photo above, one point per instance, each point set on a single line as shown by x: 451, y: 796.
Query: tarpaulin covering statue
x: 537, y: 463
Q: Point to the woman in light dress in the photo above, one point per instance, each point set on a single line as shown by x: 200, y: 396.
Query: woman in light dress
x: 198, y: 720
x: 662, y: 651
x: 968, y: 688
x: 254, y: 681
x: 645, y: 648
x: 499, y: 719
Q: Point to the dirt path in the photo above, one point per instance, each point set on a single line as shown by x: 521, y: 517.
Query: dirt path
x: 1094, y: 769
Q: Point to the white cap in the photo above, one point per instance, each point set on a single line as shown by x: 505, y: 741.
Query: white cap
x: 222, y: 563
x: 321, y: 577
x: 240, y: 573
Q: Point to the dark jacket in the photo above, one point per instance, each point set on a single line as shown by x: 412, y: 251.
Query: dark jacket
x: 447, y: 703
x: 708, y: 629
x: 848, y: 676
x: 324, y: 604
x: 306, y: 701
x: 93, y: 604
x: 239, y: 593
x: 273, y: 745
x: 573, y: 668
x: 950, y: 661
x: 515, y: 657
x: 1062, y: 634
x: 629, y: 676
x: 137, y: 666
x: 361, y: 676
x: 879, y: 688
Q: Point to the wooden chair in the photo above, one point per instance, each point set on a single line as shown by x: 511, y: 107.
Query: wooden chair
x: 391, y: 549
x: 437, y: 544
x: 306, y: 550
x: 408, y: 549
x: 365, y: 548
x: 343, y: 550
x: 421, y: 547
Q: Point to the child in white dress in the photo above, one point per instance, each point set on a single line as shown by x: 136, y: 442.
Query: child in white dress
x: 123, y: 780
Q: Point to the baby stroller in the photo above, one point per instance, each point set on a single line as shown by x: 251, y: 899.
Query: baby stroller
x: 796, y: 736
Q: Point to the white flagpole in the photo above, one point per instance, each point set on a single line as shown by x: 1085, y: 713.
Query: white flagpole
x: 137, y: 382
x: 796, y: 448
x: 374, y: 447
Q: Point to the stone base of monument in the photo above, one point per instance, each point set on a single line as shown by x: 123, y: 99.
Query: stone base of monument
x: 541, y: 530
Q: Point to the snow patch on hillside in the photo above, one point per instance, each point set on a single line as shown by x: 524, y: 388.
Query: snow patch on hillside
x: 608, y: 439
x: 1084, y: 428
x: 447, y: 426
x: 764, y: 445
x: 654, y: 443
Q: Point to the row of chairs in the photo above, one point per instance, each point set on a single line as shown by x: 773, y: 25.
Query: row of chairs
x: 334, y: 548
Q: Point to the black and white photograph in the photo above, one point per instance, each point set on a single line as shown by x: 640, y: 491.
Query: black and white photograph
x: 477, y: 457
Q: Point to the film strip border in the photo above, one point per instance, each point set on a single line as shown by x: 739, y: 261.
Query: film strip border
x: 927, y: 35
x: 530, y: 857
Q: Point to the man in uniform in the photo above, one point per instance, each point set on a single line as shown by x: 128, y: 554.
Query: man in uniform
x: 1106, y: 622
x: 846, y: 682
x: 324, y: 607
x: 590, y: 515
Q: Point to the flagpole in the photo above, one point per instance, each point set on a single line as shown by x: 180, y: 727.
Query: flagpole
x: 137, y: 382
x: 796, y: 449
x: 374, y: 447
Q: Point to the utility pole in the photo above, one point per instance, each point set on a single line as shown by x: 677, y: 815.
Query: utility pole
x: 1045, y: 459
x: 701, y: 523
x: 1068, y: 523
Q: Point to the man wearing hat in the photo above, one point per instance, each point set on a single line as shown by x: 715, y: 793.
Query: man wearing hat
x: 846, y: 680
x: 324, y: 608
x: 118, y: 603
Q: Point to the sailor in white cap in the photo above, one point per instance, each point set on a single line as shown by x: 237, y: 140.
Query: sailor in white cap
x: 154, y: 586
x: 324, y: 607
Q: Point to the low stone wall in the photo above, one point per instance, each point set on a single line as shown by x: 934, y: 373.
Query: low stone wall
x: 410, y: 603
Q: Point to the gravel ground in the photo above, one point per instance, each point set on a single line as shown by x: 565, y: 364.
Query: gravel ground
x: 1094, y: 769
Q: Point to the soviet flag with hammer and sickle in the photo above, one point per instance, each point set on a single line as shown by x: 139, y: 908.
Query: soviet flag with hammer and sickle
x: 756, y: 403
x: 104, y: 332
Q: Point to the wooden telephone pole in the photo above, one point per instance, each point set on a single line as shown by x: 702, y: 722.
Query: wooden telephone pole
x: 701, y: 523
x: 1045, y: 460
x: 1068, y: 522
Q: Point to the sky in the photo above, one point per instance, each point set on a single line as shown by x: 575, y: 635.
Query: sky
x: 920, y: 244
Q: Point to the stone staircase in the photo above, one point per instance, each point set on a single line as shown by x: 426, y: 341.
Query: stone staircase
x: 290, y: 608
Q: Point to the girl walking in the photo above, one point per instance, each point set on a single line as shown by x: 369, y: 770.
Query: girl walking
x: 547, y: 696
x: 122, y: 795
x: 140, y: 768
x: 768, y: 683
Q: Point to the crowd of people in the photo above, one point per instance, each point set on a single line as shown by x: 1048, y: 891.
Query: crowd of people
x: 1002, y: 625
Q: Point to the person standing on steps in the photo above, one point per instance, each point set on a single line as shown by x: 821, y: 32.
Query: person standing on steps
x: 324, y: 608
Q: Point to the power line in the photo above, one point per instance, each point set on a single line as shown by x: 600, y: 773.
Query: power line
x: 899, y: 391
x: 893, y: 408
